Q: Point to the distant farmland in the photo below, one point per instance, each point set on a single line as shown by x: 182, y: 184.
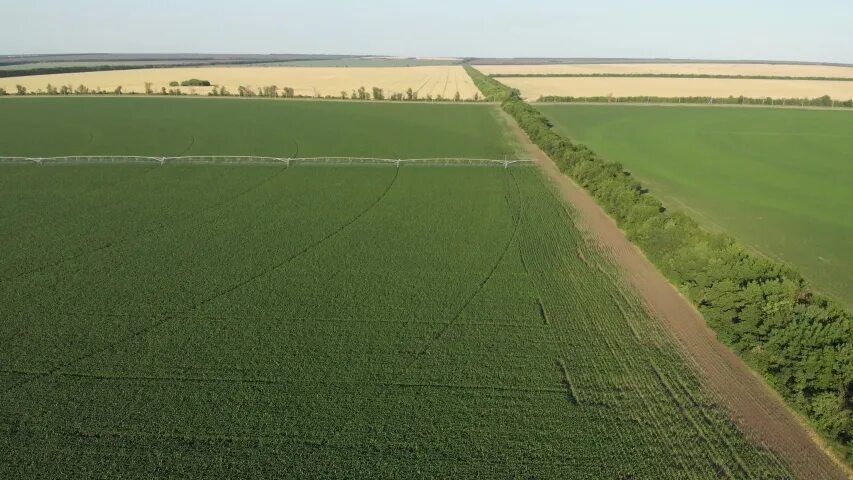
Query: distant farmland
x: 433, y: 80
x: 324, y: 321
x: 776, y: 178
x: 762, y: 69
x: 533, y: 88
x: 673, y: 80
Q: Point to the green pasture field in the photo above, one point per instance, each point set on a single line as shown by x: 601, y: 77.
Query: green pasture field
x: 778, y: 179
x: 279, y: 128
x: 314, y: 321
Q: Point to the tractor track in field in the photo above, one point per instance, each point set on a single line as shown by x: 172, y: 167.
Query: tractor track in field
x: 755, y: 408
x: 188, y: 148
x: 57, y: 370
x: 137, y: 235
x: 28, y: 226
x: 446, y: 326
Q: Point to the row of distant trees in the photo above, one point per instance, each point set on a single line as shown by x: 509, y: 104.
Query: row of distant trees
x: 362, y: 93
x: 824, y: 101
x: 270, y: 91
x: 64, y: 90
x: 193, y: 82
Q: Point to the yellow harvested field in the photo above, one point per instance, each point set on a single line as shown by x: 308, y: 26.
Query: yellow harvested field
x: 306, y: 81
x: 534, y: 87
x: 778, y: 70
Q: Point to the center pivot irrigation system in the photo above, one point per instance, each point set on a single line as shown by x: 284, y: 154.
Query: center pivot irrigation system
x: 249, y: 160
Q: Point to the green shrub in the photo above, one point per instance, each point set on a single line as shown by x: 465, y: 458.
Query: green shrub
x: 193, y: 82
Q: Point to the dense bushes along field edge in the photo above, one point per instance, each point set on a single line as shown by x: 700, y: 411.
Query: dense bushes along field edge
x: 800, y: 341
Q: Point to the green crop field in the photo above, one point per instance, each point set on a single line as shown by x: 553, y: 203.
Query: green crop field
x: 362, y: 322
x: 778, y: 179
x: 209, y: 126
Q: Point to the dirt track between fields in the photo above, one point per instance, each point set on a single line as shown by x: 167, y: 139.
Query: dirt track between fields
x: 755, y: 407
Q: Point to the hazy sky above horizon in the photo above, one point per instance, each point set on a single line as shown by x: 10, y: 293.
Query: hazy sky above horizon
x: 818, y: 30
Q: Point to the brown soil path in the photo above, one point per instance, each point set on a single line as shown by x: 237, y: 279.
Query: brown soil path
x: 756, y: 408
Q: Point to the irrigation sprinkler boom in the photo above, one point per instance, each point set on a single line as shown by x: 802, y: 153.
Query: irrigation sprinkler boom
x: 253, y: 160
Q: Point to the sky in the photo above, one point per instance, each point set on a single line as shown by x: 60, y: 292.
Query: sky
x: 815, y: 30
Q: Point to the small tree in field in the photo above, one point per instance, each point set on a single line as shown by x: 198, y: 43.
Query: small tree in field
x: 378, y: 94
x: 457, y: 97
x: 344, y: 94
x: 3, y: 92
x: 410, y: 94
x: 22, y: 90
x: 149, y: 90
x: 66, y: 90
x: 82, y: 90
x: 476, y: 96
x: 118, y: 90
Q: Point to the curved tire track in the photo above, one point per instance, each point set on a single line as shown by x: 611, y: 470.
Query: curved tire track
x: 143, y: 233
x: 27, y: 227
x: 167, y: 318
x: 444, y: 329
x: 189, y: 147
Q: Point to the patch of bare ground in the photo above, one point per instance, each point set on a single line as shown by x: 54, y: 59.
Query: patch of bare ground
x: 757, y: 409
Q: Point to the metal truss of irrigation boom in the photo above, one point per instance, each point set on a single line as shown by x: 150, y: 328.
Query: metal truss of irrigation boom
x: 250, y: 160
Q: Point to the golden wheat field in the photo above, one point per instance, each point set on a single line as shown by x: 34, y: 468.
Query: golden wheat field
x: 779, y: 70
x: 306, y: 81
x: 533, y: 88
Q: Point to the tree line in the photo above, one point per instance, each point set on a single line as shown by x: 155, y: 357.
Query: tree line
x: 824, y: 101
x: 798, y: 340
x: 269, y: 91
x: 666, y: 75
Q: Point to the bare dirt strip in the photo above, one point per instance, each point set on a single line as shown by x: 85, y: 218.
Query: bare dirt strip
x: 755, y: 407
